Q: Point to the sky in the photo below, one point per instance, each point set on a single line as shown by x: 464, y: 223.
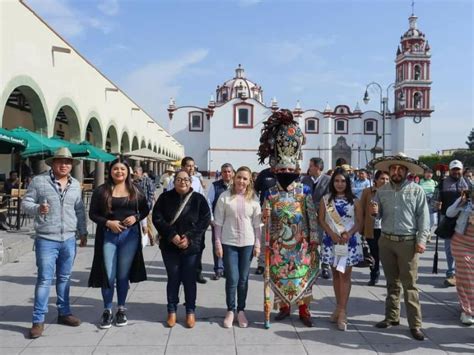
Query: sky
x: 316, y: 51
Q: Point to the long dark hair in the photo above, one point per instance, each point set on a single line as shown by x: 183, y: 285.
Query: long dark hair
x: 109, y: 185
x: 347, y: 192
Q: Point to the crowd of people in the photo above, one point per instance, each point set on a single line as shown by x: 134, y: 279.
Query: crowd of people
x: 298, y: 227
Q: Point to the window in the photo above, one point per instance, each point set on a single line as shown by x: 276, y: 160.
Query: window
x: 243, y: 115
x: 370, y: 127
x: 341, y: 126
x: 417, y: 71
x: 196, y: 121
x: 312, y: 125
x: 417, y: 100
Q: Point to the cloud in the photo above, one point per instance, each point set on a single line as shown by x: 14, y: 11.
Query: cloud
x: 247, y: 3
x: 154, y: 83
x: 67, y: 20
x: 108, y: 7
x: 291, y: 50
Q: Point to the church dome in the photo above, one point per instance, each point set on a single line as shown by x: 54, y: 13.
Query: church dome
x: 239, y: 87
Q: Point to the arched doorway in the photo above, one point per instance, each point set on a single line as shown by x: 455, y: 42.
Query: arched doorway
x: 66, y: 124
x: 135, y: 144
x: 111, y: 141
x: 124, y: 143
x: 23, y: 108
x: 143, y: 144
x: 94, y: 137
x: 341, y: 150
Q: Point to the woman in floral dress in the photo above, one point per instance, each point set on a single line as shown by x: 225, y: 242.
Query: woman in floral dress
x: 340, y: 217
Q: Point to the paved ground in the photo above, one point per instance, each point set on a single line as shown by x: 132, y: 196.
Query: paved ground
x: 146, y: 332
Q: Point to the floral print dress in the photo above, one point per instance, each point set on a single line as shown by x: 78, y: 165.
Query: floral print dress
x: 354, y: 247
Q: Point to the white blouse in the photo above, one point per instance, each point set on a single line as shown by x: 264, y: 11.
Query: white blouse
x: 239, y: 218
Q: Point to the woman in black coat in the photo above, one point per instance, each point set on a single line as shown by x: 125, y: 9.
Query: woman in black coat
x: 117, y: 207
x: 181, y: 217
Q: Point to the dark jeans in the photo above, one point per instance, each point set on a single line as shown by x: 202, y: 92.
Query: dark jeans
x: 119, y: 252
x: 180, y: 268
x: 199, y: 257
x: 218, y: 262
x: 237, y: 266
x: 374, y: 251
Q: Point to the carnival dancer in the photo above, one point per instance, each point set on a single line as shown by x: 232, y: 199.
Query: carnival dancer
x: 292, y: 258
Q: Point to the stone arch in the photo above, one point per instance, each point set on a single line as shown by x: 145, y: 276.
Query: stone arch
x: 66, y: 123
x: 135, y: 144
x: 154, y: 149
x: 149, y: 146
x: 111, y: 140
x: 93, y: 132
x: 35, y: 116
x: 143, y: 143
x: 124, y: 143
x: 341, y: 150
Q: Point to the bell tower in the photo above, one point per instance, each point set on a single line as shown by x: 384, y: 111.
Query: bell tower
x: 413, y: 92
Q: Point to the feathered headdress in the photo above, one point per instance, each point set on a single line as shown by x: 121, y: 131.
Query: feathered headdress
x: 281, y: 140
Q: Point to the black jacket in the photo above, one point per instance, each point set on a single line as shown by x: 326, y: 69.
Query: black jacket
x: 192, y: 222
x: 98, y: 275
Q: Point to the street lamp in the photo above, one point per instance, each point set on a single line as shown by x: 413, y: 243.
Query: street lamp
x: 383, y: 106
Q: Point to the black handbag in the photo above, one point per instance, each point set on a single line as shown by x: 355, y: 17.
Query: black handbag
x: 368, y: 258
x: 445, y: 229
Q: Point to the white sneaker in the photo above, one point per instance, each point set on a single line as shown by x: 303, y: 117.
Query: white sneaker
x: 467, y: 320
x: 242, y: 319
x: 229, y: 319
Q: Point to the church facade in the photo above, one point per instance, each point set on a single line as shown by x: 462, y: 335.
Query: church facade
x: 228, y: 128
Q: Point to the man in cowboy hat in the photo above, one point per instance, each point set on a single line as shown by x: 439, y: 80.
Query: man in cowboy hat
x: 54, y: 198
x: 404, y: 213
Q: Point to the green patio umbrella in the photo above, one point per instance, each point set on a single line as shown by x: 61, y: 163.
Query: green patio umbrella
x: 97, y: 154
x: 38, y: 144
x: 9, y: 142
x: 77, y: 150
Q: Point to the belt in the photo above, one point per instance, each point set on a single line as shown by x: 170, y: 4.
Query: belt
x: 398, y: 238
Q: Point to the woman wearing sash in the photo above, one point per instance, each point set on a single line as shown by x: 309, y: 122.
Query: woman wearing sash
x: 181, y: 218
x: 340, y: 216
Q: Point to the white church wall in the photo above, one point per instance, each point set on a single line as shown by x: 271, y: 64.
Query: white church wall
x: 196, y: 142
x: 231, y: 144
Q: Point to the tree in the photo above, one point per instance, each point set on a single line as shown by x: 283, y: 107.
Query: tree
x: 470, y: 140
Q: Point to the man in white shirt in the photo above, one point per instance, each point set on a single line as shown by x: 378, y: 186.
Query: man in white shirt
x: 187, y: 164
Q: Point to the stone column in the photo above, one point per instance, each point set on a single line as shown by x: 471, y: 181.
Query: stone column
x: 99, y: 173
x: 78, y: 171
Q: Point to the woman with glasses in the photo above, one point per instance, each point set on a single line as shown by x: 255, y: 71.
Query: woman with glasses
x: 117, y: 207
x: 181, y: 217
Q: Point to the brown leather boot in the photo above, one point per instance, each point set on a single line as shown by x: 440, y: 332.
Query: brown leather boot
x: 171, y: 321
x: 284, y: 312
x: 36, y: 330
x: 305, y: 315
x: 69, y: 320
x: 190, y: 320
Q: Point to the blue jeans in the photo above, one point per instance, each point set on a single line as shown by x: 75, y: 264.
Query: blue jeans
x: 119, y: 252
x: 52, y: 258
x: 449, y: 258
x: 237, y: 265
x: 218, y: 262
x: 180, y: 268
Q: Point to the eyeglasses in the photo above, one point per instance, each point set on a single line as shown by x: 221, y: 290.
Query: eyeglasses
x: 185, y: 180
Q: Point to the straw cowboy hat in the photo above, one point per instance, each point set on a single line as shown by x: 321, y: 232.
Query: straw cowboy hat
x: 383, y: 163
x: 62, y: 153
